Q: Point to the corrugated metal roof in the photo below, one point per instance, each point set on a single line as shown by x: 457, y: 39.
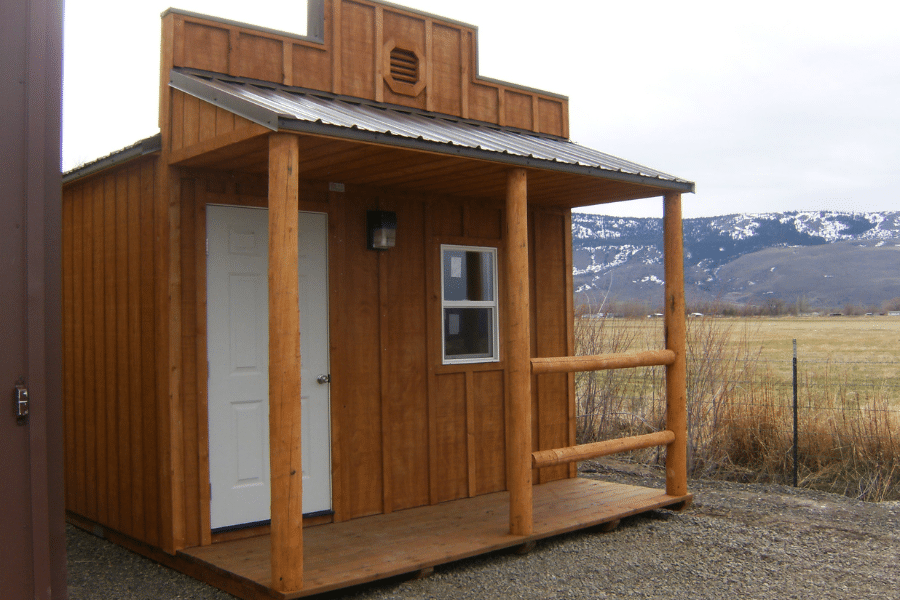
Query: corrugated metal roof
x: 146, y: 146
x: 286, y: 108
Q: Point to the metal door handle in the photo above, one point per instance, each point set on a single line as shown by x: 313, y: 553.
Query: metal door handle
x: 323, y: 379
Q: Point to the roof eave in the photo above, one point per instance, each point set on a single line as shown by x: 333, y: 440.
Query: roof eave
x: 189, y: 83
x: 150, y: 145
x: 373, y: 137
x: 250, y: 111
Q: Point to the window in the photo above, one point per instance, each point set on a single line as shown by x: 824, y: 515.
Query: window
x: 469, y: 304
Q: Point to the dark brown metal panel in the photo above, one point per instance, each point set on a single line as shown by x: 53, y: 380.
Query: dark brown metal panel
x: 32, y: 534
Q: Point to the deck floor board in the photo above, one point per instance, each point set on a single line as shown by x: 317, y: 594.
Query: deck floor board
x: 339, y: 555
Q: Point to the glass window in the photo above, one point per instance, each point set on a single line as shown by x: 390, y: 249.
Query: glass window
x: 469, y: 304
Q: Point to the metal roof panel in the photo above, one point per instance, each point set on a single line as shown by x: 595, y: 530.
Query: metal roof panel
x: 280, y: 106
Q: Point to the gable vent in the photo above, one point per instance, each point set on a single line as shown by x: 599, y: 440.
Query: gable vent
x: 404, y: 66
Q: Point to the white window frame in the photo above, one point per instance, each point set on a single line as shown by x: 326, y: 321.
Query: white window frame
x: 492, y: 304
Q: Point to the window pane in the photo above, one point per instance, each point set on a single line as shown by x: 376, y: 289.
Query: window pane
x: 468, y: 332
x: 468, y: 275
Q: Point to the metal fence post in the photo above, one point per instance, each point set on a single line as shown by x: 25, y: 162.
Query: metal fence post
x: 796, y: 434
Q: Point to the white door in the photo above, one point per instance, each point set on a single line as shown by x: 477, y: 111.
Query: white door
x: 238, y: 349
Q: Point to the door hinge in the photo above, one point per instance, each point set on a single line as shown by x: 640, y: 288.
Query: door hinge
x: 21, y: 402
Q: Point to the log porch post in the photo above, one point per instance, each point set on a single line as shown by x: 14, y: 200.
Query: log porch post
x: 676, y: 373
x: 284, y: 365
x: 518, y: 292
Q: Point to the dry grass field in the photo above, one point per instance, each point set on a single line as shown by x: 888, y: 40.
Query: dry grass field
x: 861, y: 350
x: 866, y: 349
x: 740, y: 421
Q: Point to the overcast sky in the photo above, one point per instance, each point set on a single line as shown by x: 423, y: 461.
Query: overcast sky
x: 767, y: 106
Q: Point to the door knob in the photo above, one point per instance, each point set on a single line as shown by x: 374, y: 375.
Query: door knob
x: 323, y: 379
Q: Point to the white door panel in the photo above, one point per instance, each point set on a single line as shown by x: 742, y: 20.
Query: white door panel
x: 237, y: 325
x: 315, y: 408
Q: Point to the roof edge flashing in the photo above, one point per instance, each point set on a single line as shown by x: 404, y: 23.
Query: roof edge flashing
x: 524, y: 88
x: 249, y: 110
x: 388, y: 139
x: 243, y: 25
x: 149, y: 145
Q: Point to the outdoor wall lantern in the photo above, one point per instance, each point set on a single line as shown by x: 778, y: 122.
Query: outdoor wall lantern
x: 382, y: 229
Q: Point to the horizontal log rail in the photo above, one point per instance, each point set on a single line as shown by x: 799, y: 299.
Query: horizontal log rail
x: 624, y: 360
x: 560, y: 456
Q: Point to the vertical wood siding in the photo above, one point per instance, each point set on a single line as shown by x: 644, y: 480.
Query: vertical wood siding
x: 550, y: 329
x: 350, y: 61
x: 406, y: 430
x: 109, y: 350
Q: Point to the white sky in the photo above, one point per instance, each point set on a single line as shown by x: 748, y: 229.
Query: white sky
x: 767, y: 106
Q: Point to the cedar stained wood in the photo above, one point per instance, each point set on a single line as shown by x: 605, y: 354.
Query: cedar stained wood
x: 285, y: 443
x: 149, y: 357
x: 98, y: 417
x: 519, y: 110
x: 356, y: 370
x: 90, y: 395
x: 404, y: 393
x: 357, y: 50
x: 409, y: 33
x: 675, y: 334
x: 202, y: 448
x: 445, y: 70
x: 340, y: 555
x: 109, y: 398
x: 448, y: 444
x: 349, y: 62
x: 134, y: 497
x: 459, y: 415
x: 489, y: 436
x: 106, y: 369
x: 122, y: 430
x: 310, y: 67
x: 191, y: 365
x: 75, y: 357
x: 550, y: 334
x: 259, y: 57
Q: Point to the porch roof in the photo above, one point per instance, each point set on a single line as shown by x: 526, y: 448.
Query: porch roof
x: 573, y: 169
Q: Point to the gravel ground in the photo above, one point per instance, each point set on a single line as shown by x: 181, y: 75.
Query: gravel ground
x: 736, y: 541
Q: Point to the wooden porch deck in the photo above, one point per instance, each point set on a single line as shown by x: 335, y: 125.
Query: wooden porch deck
x: 341, y: 555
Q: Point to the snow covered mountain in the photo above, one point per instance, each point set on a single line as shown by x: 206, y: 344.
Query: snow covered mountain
x: 822, y: 259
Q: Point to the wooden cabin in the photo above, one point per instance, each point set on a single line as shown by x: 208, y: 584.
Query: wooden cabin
x: 319, y: 330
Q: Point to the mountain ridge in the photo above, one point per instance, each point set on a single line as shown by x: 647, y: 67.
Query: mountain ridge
x: 822, y: 259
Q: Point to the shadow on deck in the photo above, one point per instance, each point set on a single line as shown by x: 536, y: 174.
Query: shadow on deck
x: 341, y: 555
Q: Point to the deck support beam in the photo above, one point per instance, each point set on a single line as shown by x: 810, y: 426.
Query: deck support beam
x: 675, y: 332
x: 285, y: 450
x: 518, y: 295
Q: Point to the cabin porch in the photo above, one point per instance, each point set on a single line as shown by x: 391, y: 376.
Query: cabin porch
x: 341, y: 555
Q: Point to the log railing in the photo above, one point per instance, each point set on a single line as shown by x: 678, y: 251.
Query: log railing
x: 522, y: 368
x: 561, y: 456
x: 625, y: 360
x: 600, y: 362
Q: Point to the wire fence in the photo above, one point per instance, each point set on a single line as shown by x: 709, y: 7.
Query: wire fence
x: 824, y: 424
